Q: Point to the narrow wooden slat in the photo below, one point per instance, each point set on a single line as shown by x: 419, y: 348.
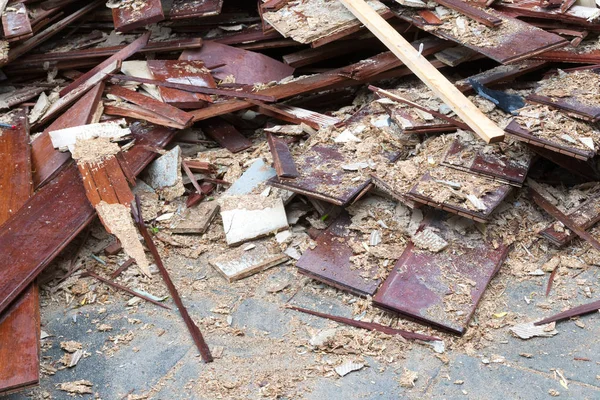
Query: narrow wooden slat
x: 15, y: 22
x: 137, y: 112
x: 103, y: 184
x: 446, y: 91
x: 91, y: 191
x: 282, y: 158
x: 121, y: 55
x: 475, y: 13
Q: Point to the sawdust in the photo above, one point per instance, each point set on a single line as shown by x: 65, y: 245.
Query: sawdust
x: 582, y: 86
x: 94, y: 150
x: 117, y: 218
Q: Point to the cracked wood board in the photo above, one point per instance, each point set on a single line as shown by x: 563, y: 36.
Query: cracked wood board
x: 137, y: 14
x: 586, y: 215
x: 245, y: 66
x: 442, y: 289
x: 249, y: 217
x: 435, y: 189
x: 196, y: 219
x: 239, y: 263
x: 329, y: 261
x: 16, y: 23
x: 522, y: 134
x: 321, y: 176
x: 495, y: 43
x: 575, y: 93
x: 55, y: 214
x: 181, y: 9
x: 186, y: 72
x: 311, y: 20
x: 225, y: 134
x: 508, y: 164
x: 20, y: 323
x: 46, y: 160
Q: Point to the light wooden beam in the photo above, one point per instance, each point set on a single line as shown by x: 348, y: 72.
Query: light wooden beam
x: 444, y: 89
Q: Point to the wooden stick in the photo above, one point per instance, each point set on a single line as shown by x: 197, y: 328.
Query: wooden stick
x: 573, y: 312
x: 192, y: 327
x: 568, y: 222
x: 446, y: 91
x: 397, y: 98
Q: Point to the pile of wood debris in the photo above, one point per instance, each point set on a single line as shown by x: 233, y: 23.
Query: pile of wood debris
x: 167, y: 118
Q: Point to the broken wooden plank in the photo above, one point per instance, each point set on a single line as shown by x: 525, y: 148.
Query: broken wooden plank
x: 181, y: 9
x: 586, y: 215
x: 565, y: 219
x: 225, y: 134
x: 121, y: 55
x: 573, y: 312
x: 441, y: 288
x: 576, y: 15
x: 130, y: 16
x: 15, y: 22
x: 459, y: 192
x: 55, y: 214
x: 192, y: 327
x: 245, y: 66
x: 239, y: 263
x: 467, y: 111
x: 282, y: 158
x: 181, y: 118
x: 330, y: 261
x: 19, y: 362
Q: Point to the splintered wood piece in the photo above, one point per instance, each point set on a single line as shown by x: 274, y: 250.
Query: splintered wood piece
x: 19, y: 361
x: 47, y: 33
x: 119, y: 56
x: 573, y: 312
x: 164, y: 110
x: 472, y: 207
x: 225, y: 134
x: 191, y: 73
x: 400, y: 99
x: 137, y: 112
x: 467, y: 157
x: 55, y: 214
x: 242, y: 94
x: 196, y: 219
x: 585, y: 216
x: 565, y: 219
x: 475, y: 13
x: 246, y: 66
x: 192, y: 327
x: 76, y: 93
x: 282, y: 158
x: 15, y: 22
x: 446, y: 91
x: 522, y: 134
x: 238, y: 263
x: 329, y: 261
x: 128, y: 17
x: 192, y: 9
x: 432, y: 287
x: 372, y: 326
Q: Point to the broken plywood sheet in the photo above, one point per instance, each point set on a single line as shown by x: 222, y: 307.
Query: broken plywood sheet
x: 330, y: 261
x: 443, y: 288
x: 164, y: 175
x: 250, y: 217
x: 181, y: 9
x: 196, y: 219
x: 185, y: 72
x: 308, y: 21
x: 576, y: 93
x: 551, y: 129
x: 245, y: 67
x: 244, y: 261
x: 459, y: 192
x: 258, y: 173
x: 133, y: 14
x: 506, y: 162
x: 495, y: 43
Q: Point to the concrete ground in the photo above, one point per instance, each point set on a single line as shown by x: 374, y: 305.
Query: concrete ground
x: 265, y: 350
